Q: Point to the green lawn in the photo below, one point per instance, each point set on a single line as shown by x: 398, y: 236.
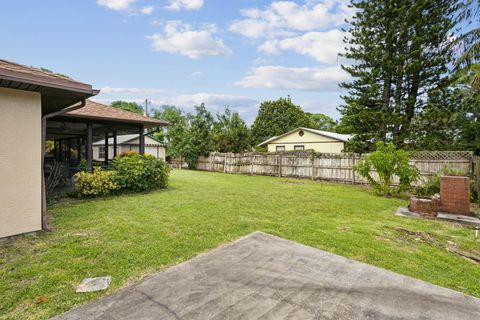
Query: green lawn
x: 131, y: 236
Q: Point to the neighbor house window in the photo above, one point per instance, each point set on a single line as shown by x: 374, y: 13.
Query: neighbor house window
x: 299, y: 148
x: 101, y: 152
x: 280, y: 148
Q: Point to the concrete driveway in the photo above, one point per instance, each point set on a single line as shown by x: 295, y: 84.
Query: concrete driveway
x: 265, y: 277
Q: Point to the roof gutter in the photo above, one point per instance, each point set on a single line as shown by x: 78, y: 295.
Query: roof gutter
x: 45, y: 224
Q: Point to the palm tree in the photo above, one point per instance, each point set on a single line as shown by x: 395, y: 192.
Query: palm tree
x: 467, y: 47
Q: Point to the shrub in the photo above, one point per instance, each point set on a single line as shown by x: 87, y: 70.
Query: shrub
x: 432, y: 185
x: 98, y: 183
x: 388, y: 161
x: 129, y: 153
x: 82, y: 165
x: 140, y: 173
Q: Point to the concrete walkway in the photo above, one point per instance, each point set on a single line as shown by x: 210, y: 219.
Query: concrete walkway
x: 266, y: 277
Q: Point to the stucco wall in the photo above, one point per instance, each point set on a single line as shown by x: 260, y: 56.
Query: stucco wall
x: 20, y: 162
x: 310, y: 141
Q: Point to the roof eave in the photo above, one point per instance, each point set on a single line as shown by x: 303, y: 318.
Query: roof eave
x: 146, y: 122
x: 62, y: 84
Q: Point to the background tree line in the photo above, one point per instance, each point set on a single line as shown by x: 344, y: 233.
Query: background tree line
x: 191, y: 135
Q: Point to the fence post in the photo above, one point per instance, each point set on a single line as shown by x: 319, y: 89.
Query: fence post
x: 225, y: 163
x: 353, y: 165
x: 471, y: 168
x: 280, y: 165
x: 312, y: 158
x: 252, y: 157
x: 477, y: 168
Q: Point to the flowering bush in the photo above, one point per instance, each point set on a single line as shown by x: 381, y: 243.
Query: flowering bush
x: 100, y: 182
x: 129, y: 153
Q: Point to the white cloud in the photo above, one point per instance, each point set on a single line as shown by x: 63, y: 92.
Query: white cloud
x: 132, y: 90
x: 116, y: 4
x: 322, y: 46
x: 245, y: 106
x: 212, y: 100
x: 147, y: 10
x: 181, y: 38
x: 196, y: 73
x: 282, y: 18
x: 185, y: 5
x: 279, y: 77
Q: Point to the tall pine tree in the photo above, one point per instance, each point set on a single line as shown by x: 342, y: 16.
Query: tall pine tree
x: 399, y: 52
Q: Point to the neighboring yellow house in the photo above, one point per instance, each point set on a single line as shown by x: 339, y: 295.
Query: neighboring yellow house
x: 128, y: 142
x: 307, y: 139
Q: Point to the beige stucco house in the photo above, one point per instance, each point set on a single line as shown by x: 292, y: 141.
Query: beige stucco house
x: 307, y: 139
x: 128, y: 142
x: 36, y: 106
x: 27, y: 97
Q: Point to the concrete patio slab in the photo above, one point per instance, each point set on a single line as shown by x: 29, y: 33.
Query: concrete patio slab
x: 265, y: 277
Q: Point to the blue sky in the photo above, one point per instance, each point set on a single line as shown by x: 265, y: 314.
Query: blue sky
x: 185, y: 52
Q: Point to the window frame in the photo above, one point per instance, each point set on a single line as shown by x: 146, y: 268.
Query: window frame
x: 302, y: 146
x: 101, y: 154
x: 277, y: 147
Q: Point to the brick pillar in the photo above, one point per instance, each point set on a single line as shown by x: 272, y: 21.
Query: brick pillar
x: 455, y: 194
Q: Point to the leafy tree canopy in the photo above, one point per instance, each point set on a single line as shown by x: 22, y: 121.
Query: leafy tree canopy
x: 277, y: 117
x: 399, y: 53
x: 230, y: 133
x: 128, y: 106
x: 321, y: 121
x: 198, y: 139
x: 174, y: 135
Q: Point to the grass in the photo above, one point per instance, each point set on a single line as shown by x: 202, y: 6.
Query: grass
x: 131, y: 236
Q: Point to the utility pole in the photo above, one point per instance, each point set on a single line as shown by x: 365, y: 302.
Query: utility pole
x: 147, y: 103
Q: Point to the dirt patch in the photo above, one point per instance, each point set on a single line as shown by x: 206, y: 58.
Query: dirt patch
x: 424, y: 237
x: 418, y: 236
x: 470, y: 256
x: 291, y: 182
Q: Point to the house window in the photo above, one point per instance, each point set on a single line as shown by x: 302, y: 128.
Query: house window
x: 301, y: 133
x: 299, y: 148
x: 101, y: 152
x: 280, y: 148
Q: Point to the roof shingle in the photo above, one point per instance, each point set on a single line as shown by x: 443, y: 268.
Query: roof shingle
x: 97, y: 111
x: 12, y: 71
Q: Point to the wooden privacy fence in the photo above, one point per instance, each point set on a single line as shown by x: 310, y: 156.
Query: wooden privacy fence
x: 322, y: 166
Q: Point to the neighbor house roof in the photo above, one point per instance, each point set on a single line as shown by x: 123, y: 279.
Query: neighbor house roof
x: 125, y: 139
x: 97, y: 111
x: 57, y: 91
x: 333, y: 135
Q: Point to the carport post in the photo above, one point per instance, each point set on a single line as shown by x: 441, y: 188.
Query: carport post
x: 114, y: 144
x: 142, y: 140
x: 79, y: 149
x: 89, y: 146
x: 106, y: 148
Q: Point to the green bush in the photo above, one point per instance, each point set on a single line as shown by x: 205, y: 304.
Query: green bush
x: 100, y: 182
x: 140, y: 173
x: 388, y: 161
x: 432, y: 185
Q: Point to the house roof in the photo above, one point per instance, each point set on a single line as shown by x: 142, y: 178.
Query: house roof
x: 333, y: 135
x: 57, y: 91
x: 124, y: 139
x: 97, y: 111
